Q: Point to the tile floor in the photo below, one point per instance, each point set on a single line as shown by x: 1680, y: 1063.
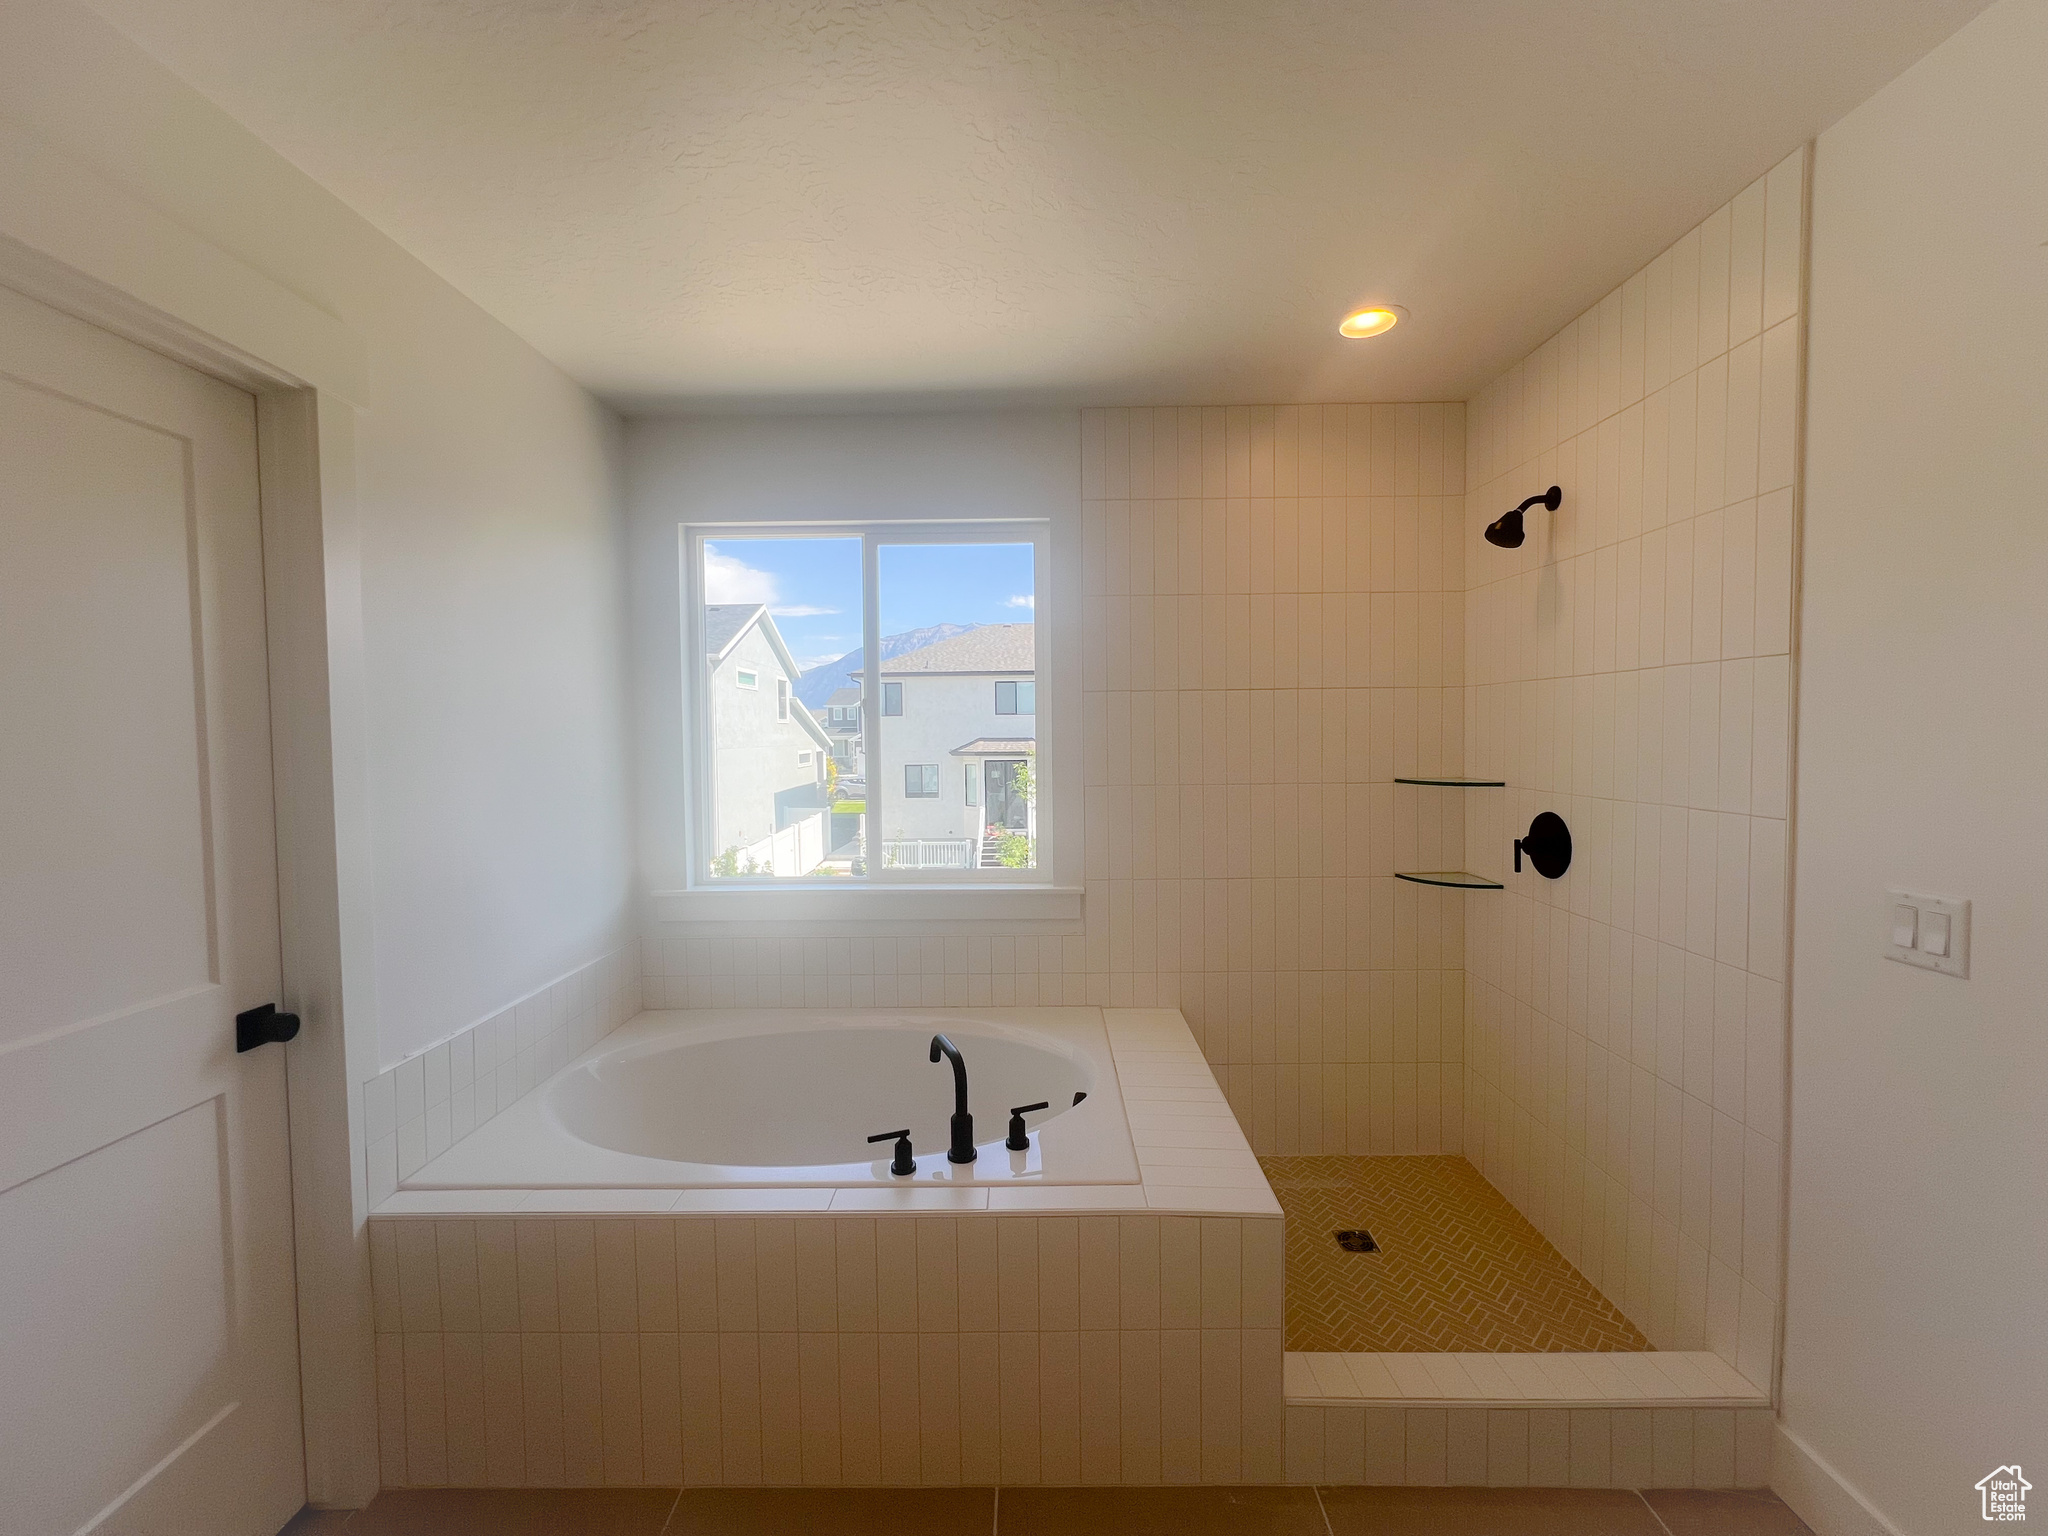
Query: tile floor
x: 1457, y: 1268
x: 1062, y: 1512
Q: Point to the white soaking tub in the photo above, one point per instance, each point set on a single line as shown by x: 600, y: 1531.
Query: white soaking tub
x: 784, y: 1098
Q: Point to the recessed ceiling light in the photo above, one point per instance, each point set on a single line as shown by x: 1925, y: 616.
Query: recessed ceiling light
x: 1375, y: 320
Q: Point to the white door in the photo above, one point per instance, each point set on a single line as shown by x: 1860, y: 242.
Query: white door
x: 148, y: 1344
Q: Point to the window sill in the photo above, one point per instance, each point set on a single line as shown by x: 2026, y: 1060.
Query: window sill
x: 922, y: 909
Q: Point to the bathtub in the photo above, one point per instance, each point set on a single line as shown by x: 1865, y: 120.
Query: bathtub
x: 992, y: 1322
x: 786, y: 1099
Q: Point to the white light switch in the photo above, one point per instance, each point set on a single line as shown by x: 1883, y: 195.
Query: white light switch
x: 1905, y: 926
x: 1934, y: 934
x: 1931, y: 932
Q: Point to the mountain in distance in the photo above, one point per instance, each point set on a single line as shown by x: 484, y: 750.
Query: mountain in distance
x: 821, y: 682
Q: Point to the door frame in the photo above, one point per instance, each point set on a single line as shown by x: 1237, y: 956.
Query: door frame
x: 129, y: 270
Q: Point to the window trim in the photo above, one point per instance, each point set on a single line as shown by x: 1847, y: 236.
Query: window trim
x: 1049, y: 895
x: 748, y: 678
x: 892, y: 693
x: 781, y: 699
x: 927, y: 773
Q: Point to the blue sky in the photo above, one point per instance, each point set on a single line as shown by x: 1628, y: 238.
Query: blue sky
x: 812, y: 586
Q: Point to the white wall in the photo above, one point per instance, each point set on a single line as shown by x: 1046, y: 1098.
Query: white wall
x: 491, y: 583
x: 1023, y: 464
x: 1916, y: 1345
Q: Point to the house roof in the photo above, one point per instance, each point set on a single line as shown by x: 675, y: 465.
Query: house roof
x: 985, y: 648
x: 841, y: 697
x: 725, y: 623
x: 808, y: 721
x: 998, y: 746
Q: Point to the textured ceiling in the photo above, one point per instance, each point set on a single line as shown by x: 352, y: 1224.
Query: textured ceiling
x: 739, y: 204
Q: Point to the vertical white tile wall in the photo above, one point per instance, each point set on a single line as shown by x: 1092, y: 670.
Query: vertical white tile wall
x: 1629, y: 667
x: 417, y: 1109
x: 828, y: 1350
x: 1274, y: 613
x: 1272, y: 605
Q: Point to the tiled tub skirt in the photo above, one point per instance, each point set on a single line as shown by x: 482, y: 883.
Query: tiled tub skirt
x: 829, y: 1350
x: 924, y: 1351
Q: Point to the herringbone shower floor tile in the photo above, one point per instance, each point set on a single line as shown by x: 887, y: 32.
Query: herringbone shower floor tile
x: 1458, y: 1267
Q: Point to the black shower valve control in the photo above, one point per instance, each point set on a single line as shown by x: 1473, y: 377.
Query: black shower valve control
x: 1548, y: 843
x: 905, y: 1162
x: 1019, y: 1139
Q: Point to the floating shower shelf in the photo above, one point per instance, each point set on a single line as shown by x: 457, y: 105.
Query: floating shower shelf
x: 1455, y: 879
x: 1459, y: 783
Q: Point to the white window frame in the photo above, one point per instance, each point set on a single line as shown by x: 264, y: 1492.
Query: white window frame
x: 744, y: 678
x: 781, y: 698
x: 1050, y: 893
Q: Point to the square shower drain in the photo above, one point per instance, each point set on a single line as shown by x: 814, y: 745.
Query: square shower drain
x: 1356, y: 1240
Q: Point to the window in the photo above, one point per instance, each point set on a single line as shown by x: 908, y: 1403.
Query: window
x: 820, y: 790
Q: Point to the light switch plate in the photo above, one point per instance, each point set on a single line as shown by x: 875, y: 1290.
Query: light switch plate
x: 1955, y: 959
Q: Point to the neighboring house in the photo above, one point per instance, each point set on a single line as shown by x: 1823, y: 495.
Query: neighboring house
x: 768, y: 753
x: 841, y: 719
x: 959, y: 719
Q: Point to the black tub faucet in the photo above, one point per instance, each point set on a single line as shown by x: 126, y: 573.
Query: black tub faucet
x: 962, y: 1150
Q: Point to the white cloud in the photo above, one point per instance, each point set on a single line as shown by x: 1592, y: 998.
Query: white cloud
x: 1024, y: 600
x: 730, y: 580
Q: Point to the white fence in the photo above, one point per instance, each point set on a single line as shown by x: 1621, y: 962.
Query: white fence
x: 797, y: 849
x: 929, y: 853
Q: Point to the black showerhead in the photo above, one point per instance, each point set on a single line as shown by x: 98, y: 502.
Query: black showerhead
x: 1507, y: 531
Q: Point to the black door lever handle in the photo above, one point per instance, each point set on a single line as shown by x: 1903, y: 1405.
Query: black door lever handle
x: 261, y: 1026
